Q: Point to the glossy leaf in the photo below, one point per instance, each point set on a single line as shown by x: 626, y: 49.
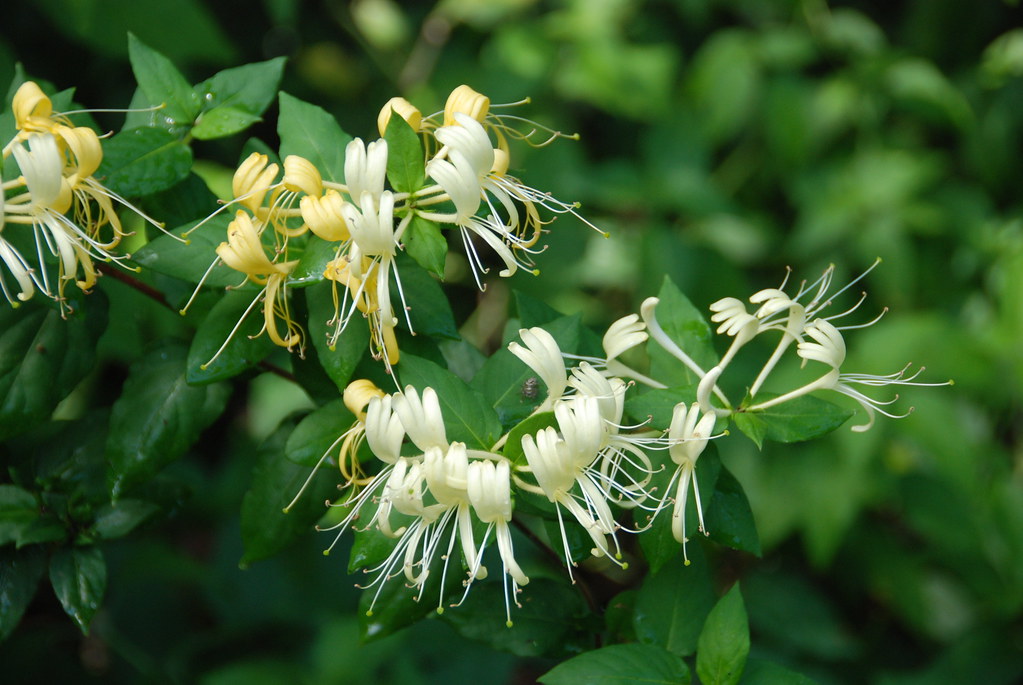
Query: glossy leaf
x: 190, y: 260
x: 729, y: 518
x: 313, y: 262
x: 43, y: 357
x: 673, y: 603
x: 631, y: 664
x: 20, y: 571
x: 550, y: 622
x: 242, y: 348
x: 426, y: 244
x: 315, y: 434
x: 163, y: 84
x: 250, y: 88
x: 804, y: 418
x: 117, y: 519
x: 406, y: 166
x: 157, y: 417
x: 143, y: 161
x: 340, y: 361
x: 724, y: 642
x: 658, y: 404
x: 686, y: 326
x: 266, y: 529
x: 760, y: 672
x: 309, y: 131
x: 429, y: 308
x: 529, y: 426
x: 18, y: 510
x: 222, y: 121
x: 467, y: 417
x: 79, y: 578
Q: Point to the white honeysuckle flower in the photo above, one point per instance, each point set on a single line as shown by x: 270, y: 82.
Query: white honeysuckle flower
x: 365, y: 169
x: 421, y: 417
x: 19, y: 268
x: 687, y: 439
x: 541, y: 353
x: 469, y: 138
x: 622, y: 335
x: 384, y: 429
x: 489, y: 489
x: 558, y: 469
x: 828, y: 346
x: 732, y: 316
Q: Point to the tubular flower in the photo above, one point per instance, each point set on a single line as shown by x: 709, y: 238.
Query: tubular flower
x: 489, y: 490
x: 687, y: 438
x: 366, y: 169
x: 405, y: 109
x: 542, y: 354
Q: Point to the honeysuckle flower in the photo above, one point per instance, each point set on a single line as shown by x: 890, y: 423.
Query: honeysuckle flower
x: 365, y: 169
x: 541, y: 353
x: 324, y: 216
x: 687, y: 439
x: 466, y: 101
x: 252, y: 180
x: 421, y: 417
x: 489, y: 490
x: 18, y: 267
x: 405, y: 109
x: 558, y: 467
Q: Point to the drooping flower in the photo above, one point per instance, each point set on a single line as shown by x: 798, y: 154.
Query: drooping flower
x: 542, y: 354
x: 687, y: 439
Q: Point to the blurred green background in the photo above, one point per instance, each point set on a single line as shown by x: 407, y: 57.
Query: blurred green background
x: 721, y: 141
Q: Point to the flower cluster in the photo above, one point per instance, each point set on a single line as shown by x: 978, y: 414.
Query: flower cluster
x: 466, y: 186
x: 70, y: 213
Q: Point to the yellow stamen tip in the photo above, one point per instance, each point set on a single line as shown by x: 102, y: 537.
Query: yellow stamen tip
x: 369, y: 613
x: 326, y: 553
x: 509, y: 624
x: 688, y: 562
x: 440, y: 610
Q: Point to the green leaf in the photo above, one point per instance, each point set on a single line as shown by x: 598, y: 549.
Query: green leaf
x: 18, y: 510
x: 143, y: 161
x: 688, y: 329
x: 249, y: 88
x: 315, y: 433
x: 406, y: 165
x: 395, y: 607
x: 724, y: 642
x: 245, y: 349
x: 674, y: 602
x: 752, y: 426
x: 311, y: 265
x: 467, y: 417
x: 163, y: 84
x: 658, y: 404
x: 43, y: 357
x: 340, y: 361
x: 266, y: 529
x: 117, y: 519
x: 190, y: 261
x: 620, y: 665
x: 426, y: 244
x: 429, y: 308
x: 222, y: 121
x: 20, y: 571
x: 310, y: 132
x: 186, y: 201
x: 534, y: 312
x: 729, y: 518
x: 79, y: 578
x: 529, y: 426
x: 804, y: 418
x: 550, y: 622
x: 157, y: 417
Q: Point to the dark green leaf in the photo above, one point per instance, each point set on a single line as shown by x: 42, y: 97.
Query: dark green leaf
x: 429, y: 308
x: 658, y: 404
x: 143, y: 161
x: 550, y: 622
x: 315, y: 434
x: 221, y: 121
x: 188, y: 200
x: 394, y: 608
x: 18, y: 510
x: 620, y: 665
x: 340, y: 360
x: 157, y: 417
x: 43, y: 357
x: 250, y: 88
x: 467, y: 417
x: 798, y: 420
x: 311, y: 265
x: 686, y: 327
x: 752, y: 426
x: 117, y: 519
x: 406, y: 165
x: 724, y: 642
x: 266, y: 529
x: 529, y: 426
x: 426, y: 244
x: 371, y: 547
x: 674, y: 602
x: 163, y: 84
x: 245, y: 349
x: 190, y: 261
x: 310, y: 132
x: 534, y: 312
x: 20, y: 571
x: 728, y: 517
x: 79, y: 578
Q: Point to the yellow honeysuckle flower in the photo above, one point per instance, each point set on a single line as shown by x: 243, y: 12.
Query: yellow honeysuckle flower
x: 251, y: 181
x: 405, y: 109
x: 244, y: 251
x: 465, y: 100
x: 324, y: 216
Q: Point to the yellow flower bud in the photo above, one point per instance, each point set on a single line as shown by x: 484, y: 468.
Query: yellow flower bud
x: 252, y: 180
x: 358, y: 394
x: 323, y: 216
x: 466, y: 100
x: 405, y: 109
x: 33, y: 110
x: 301, y: 175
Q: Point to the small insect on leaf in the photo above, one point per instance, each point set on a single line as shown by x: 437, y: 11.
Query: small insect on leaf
x: 530, y: 388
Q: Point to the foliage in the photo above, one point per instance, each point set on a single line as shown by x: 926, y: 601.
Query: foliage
x: 147, y: 455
